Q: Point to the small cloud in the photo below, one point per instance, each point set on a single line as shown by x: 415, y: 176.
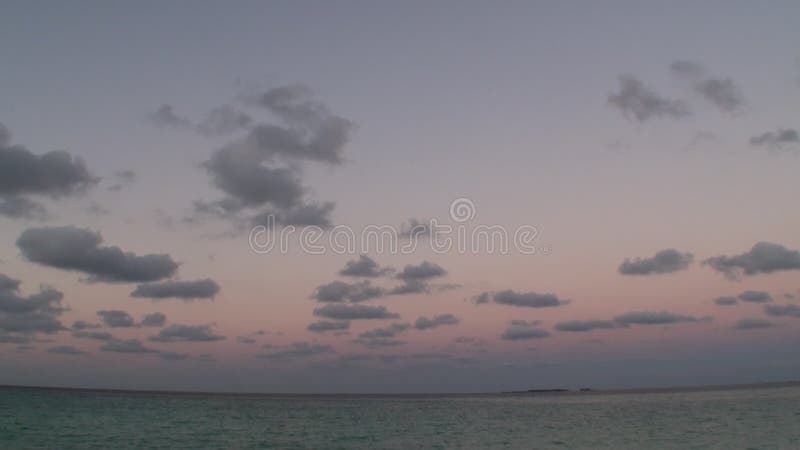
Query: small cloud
x: 522, y: 330
x: 665, y: 261
x: 339, y: 291
x: 66, y: 350
x: 186, y: 333
x: 763, y: 258
x: 364, y: 266
x: 654, y: 318
x: 297, y: 350
x: 776, y: 140
x: 581, y: 326
x: 155, y: 319
x: 338, y: 311
x: 726, y: 301
x: 752, y: 324
x: 126, y: 346
x: 116, y: 318
x: 323, y: 326
x: 755, y: 297
x: 424, y: 323
x: 788, y: 310
x: 183, y: 290
x: 523, y: 299
x: 636, y: 100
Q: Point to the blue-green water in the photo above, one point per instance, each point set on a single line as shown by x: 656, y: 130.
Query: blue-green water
x: 764, y: 418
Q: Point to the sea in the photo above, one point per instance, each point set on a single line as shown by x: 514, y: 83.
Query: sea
x: 741, y: 418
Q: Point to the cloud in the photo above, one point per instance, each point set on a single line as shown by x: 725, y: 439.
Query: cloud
x: 339, y: 311
x: 297, y: 350
x: 787, y: 310
x: 339, y: 291
x: 126, y: 346
x: 776, y: 140
x: 525, y: 299
x: 79, y: 325
x: 581, y: 326
x: 665, y: 261
x: 385, y: 332
x: 249, y: 338
x: 121, y: 179
x: 482, y: 298
x: 726, y: 301
x: 93, y: 335
x: 22, y: 208
x: 184, y: 290
x: 421, y: 272
x: 224, y: 120
x: 520, y: 330
x: 77, y: 249
x: 653, y: 318
x: 752, y: 324
x: 424, y: 323
x: 165, y: 116
x: 764, y: 257
x: 55, y: 173
x: 65, y: 350
x: 172, y: 356
x: 721, y: 92
x: 155, y: 319
x: 364, y: 266
x: 410, y: 287
x: 323, y: 326
x: 755, y: 297
x: 30, y: 314
x: 636, y: 100
x: 116, y: 318
x: 186, y: 333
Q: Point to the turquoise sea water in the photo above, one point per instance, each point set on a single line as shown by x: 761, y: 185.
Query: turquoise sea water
x: 764, y: 418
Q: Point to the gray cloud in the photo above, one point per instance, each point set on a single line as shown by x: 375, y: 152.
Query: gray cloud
x: 755, y: 297
x: 364, y: 266
x: 424, y: 323
x: 186, y: 333
x: 339, y: 311
x: 339, y: 291
x: 30, y: 314
x: 787, y: 310
x: 421, y: 272
x: 77, y: 249
x: 752, y: 324
x: 224, y: 120
x: 410, y: 287
x: 520, y: 330
x: 636, y: 100
x: 122, y: 178
x: 323, y: 326
x: 79, y: 325
x: 22, y: 208
x: 184, y: 290
x: 126, y: 346
x: 526, y: 299
x: 653, y: 318
x: 93, y: 335
x: 726, y: 301
x: 721, y: 92
x: 297, y: 350
x: 116, y: 318
x: 172, y: 356
x: 55, y: 173
x: 388, y: 331
x: 155, y: 319
x: 580, y: 326
x: 776, y: 140
x: 65, y: 350
x: 165, y: 116
x: 665, y: 261
x: 764, y: 257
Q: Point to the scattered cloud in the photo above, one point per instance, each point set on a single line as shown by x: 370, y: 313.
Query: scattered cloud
x: 155, y: 319
x: 126, y: 346
x: 763, y: 258
x: 654, y: 318
x: 323, y: 326
x: 165, y: 116
x: 421, y: 272
x: 30, y: 314
x: 788, y: 310
x: 78, y: 249
x: 755, y: 297
x: 83, y: 325
x: 721, y: 92
x: 636, y: 100
x: 339, y: 291
x: 93, y: 335
x: 364, y: 266
x: 581, y: 326
x: 297, y: 350
x: 22, y: 208
x: 65, y: 350
x: 340, y: 311
x: 776, y: 140
x: 726, y: 301
x: 424, y: 323
x: 186, y: 333
x: 116, y: 318
x: 522, y: 330
x: 665, y: 261
x: 184, y: 290
x: 522, y: 299
x: 752, y: 324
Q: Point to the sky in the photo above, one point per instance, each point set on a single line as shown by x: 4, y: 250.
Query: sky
x: 640, y: 159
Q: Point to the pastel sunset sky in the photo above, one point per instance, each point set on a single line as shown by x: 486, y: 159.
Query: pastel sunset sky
x: 652, y: 147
